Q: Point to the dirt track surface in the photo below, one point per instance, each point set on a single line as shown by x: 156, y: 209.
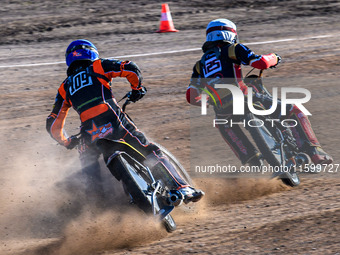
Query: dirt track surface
x: 39, y: 195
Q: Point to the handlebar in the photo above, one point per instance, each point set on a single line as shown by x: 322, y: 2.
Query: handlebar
x: 256, y: 81
x: 261, y: 73
x: 127, y: 101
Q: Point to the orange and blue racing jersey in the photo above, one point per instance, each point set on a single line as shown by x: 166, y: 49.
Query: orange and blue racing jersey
x: 224, y: 60
x: 88, y: 89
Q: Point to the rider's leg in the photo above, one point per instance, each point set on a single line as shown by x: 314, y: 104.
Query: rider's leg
x: 125, y: 129
x: 306, y: 138
x: 170, y: 175
x: 91, y: 171
x: 303, y: 133
x: 240, y: 144
x: 155, y: 156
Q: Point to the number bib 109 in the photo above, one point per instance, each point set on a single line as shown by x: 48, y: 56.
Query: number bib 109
x: 80, y: 81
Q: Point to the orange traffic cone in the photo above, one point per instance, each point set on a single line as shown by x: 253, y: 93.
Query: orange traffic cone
x: 166, y: 24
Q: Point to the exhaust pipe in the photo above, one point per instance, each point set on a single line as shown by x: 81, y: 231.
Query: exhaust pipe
x: 302, y: 159
x: 175, y: 198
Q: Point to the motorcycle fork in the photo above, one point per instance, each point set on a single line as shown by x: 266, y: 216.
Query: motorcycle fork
x: 290, y: 162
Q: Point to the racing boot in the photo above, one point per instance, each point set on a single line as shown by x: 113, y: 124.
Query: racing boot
x: 191, y: 195
x: 318, y: 155
x: 306, y: 139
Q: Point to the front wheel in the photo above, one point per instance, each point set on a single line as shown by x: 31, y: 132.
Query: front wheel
x: 290, y: 179
x: 169, y: 223
x: 178, y: 166
x: 137, y: 184
x: 269, y: 145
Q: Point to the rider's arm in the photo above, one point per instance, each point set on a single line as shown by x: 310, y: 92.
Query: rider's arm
x: 248, y: 57
x: 193, y: 93
x: 56, y: 120
x: 127, y: 69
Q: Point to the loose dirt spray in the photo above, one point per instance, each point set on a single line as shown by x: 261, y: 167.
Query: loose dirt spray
x: 45, y: 209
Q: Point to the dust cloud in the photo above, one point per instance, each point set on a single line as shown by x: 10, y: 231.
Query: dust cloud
x: 45, y: 206
x: 233, y: 190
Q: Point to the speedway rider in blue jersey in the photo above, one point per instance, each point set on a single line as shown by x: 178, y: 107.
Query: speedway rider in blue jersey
x: 87, y: 89
x: 222, y: 58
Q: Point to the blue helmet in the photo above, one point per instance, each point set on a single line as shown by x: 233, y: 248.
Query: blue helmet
x: 81, y: 50
x: 221, y: 29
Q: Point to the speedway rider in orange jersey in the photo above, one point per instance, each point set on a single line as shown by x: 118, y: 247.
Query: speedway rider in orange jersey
x: 88, y: 90
x: 222, y: 58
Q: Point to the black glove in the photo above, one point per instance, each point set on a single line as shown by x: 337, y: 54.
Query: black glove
x: 278, y: 57
x: 74, y: 141
x: 137, y: 94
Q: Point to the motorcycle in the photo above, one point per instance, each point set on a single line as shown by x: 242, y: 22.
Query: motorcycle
x: 275, y: 142
x: 150, y: 189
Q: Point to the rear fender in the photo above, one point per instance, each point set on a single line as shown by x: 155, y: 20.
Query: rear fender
x: 109, y: 147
